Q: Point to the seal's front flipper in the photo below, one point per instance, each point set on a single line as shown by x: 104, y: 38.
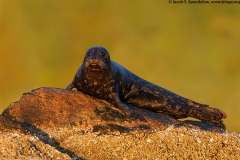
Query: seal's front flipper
x: 70, y: 86
x: 116, y: 101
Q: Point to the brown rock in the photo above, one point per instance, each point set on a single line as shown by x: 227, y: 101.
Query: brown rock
x: 47, y: 108
x: 50, y: 123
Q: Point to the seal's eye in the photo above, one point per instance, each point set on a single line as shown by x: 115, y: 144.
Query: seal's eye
x: 89, y: 53
x: 101, y: 53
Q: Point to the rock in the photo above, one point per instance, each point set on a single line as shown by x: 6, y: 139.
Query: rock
x: 51, y: 123
x: 48, y: 108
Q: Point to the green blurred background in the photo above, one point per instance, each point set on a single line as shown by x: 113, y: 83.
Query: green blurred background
x: 190, y: 49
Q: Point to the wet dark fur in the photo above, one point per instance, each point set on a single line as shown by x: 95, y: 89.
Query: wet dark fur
x: 105, y: 79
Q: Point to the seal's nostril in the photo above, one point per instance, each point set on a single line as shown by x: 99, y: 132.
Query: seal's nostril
x: 94, y: 60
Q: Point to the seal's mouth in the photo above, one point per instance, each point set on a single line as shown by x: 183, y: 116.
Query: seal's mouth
x: 94, y: 67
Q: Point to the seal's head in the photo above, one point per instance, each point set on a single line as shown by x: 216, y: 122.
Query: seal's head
x: 97, y: 59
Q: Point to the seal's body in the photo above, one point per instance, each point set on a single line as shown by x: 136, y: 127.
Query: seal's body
x: 103, y: 78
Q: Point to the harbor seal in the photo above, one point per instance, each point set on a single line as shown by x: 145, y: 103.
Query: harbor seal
x: 102, y: 78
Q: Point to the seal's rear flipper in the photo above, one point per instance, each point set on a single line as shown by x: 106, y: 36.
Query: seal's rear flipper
x: 209, y: 115
x: 218, y: 124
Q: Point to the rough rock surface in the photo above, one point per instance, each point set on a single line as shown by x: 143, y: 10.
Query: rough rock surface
x: 50, y: 123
